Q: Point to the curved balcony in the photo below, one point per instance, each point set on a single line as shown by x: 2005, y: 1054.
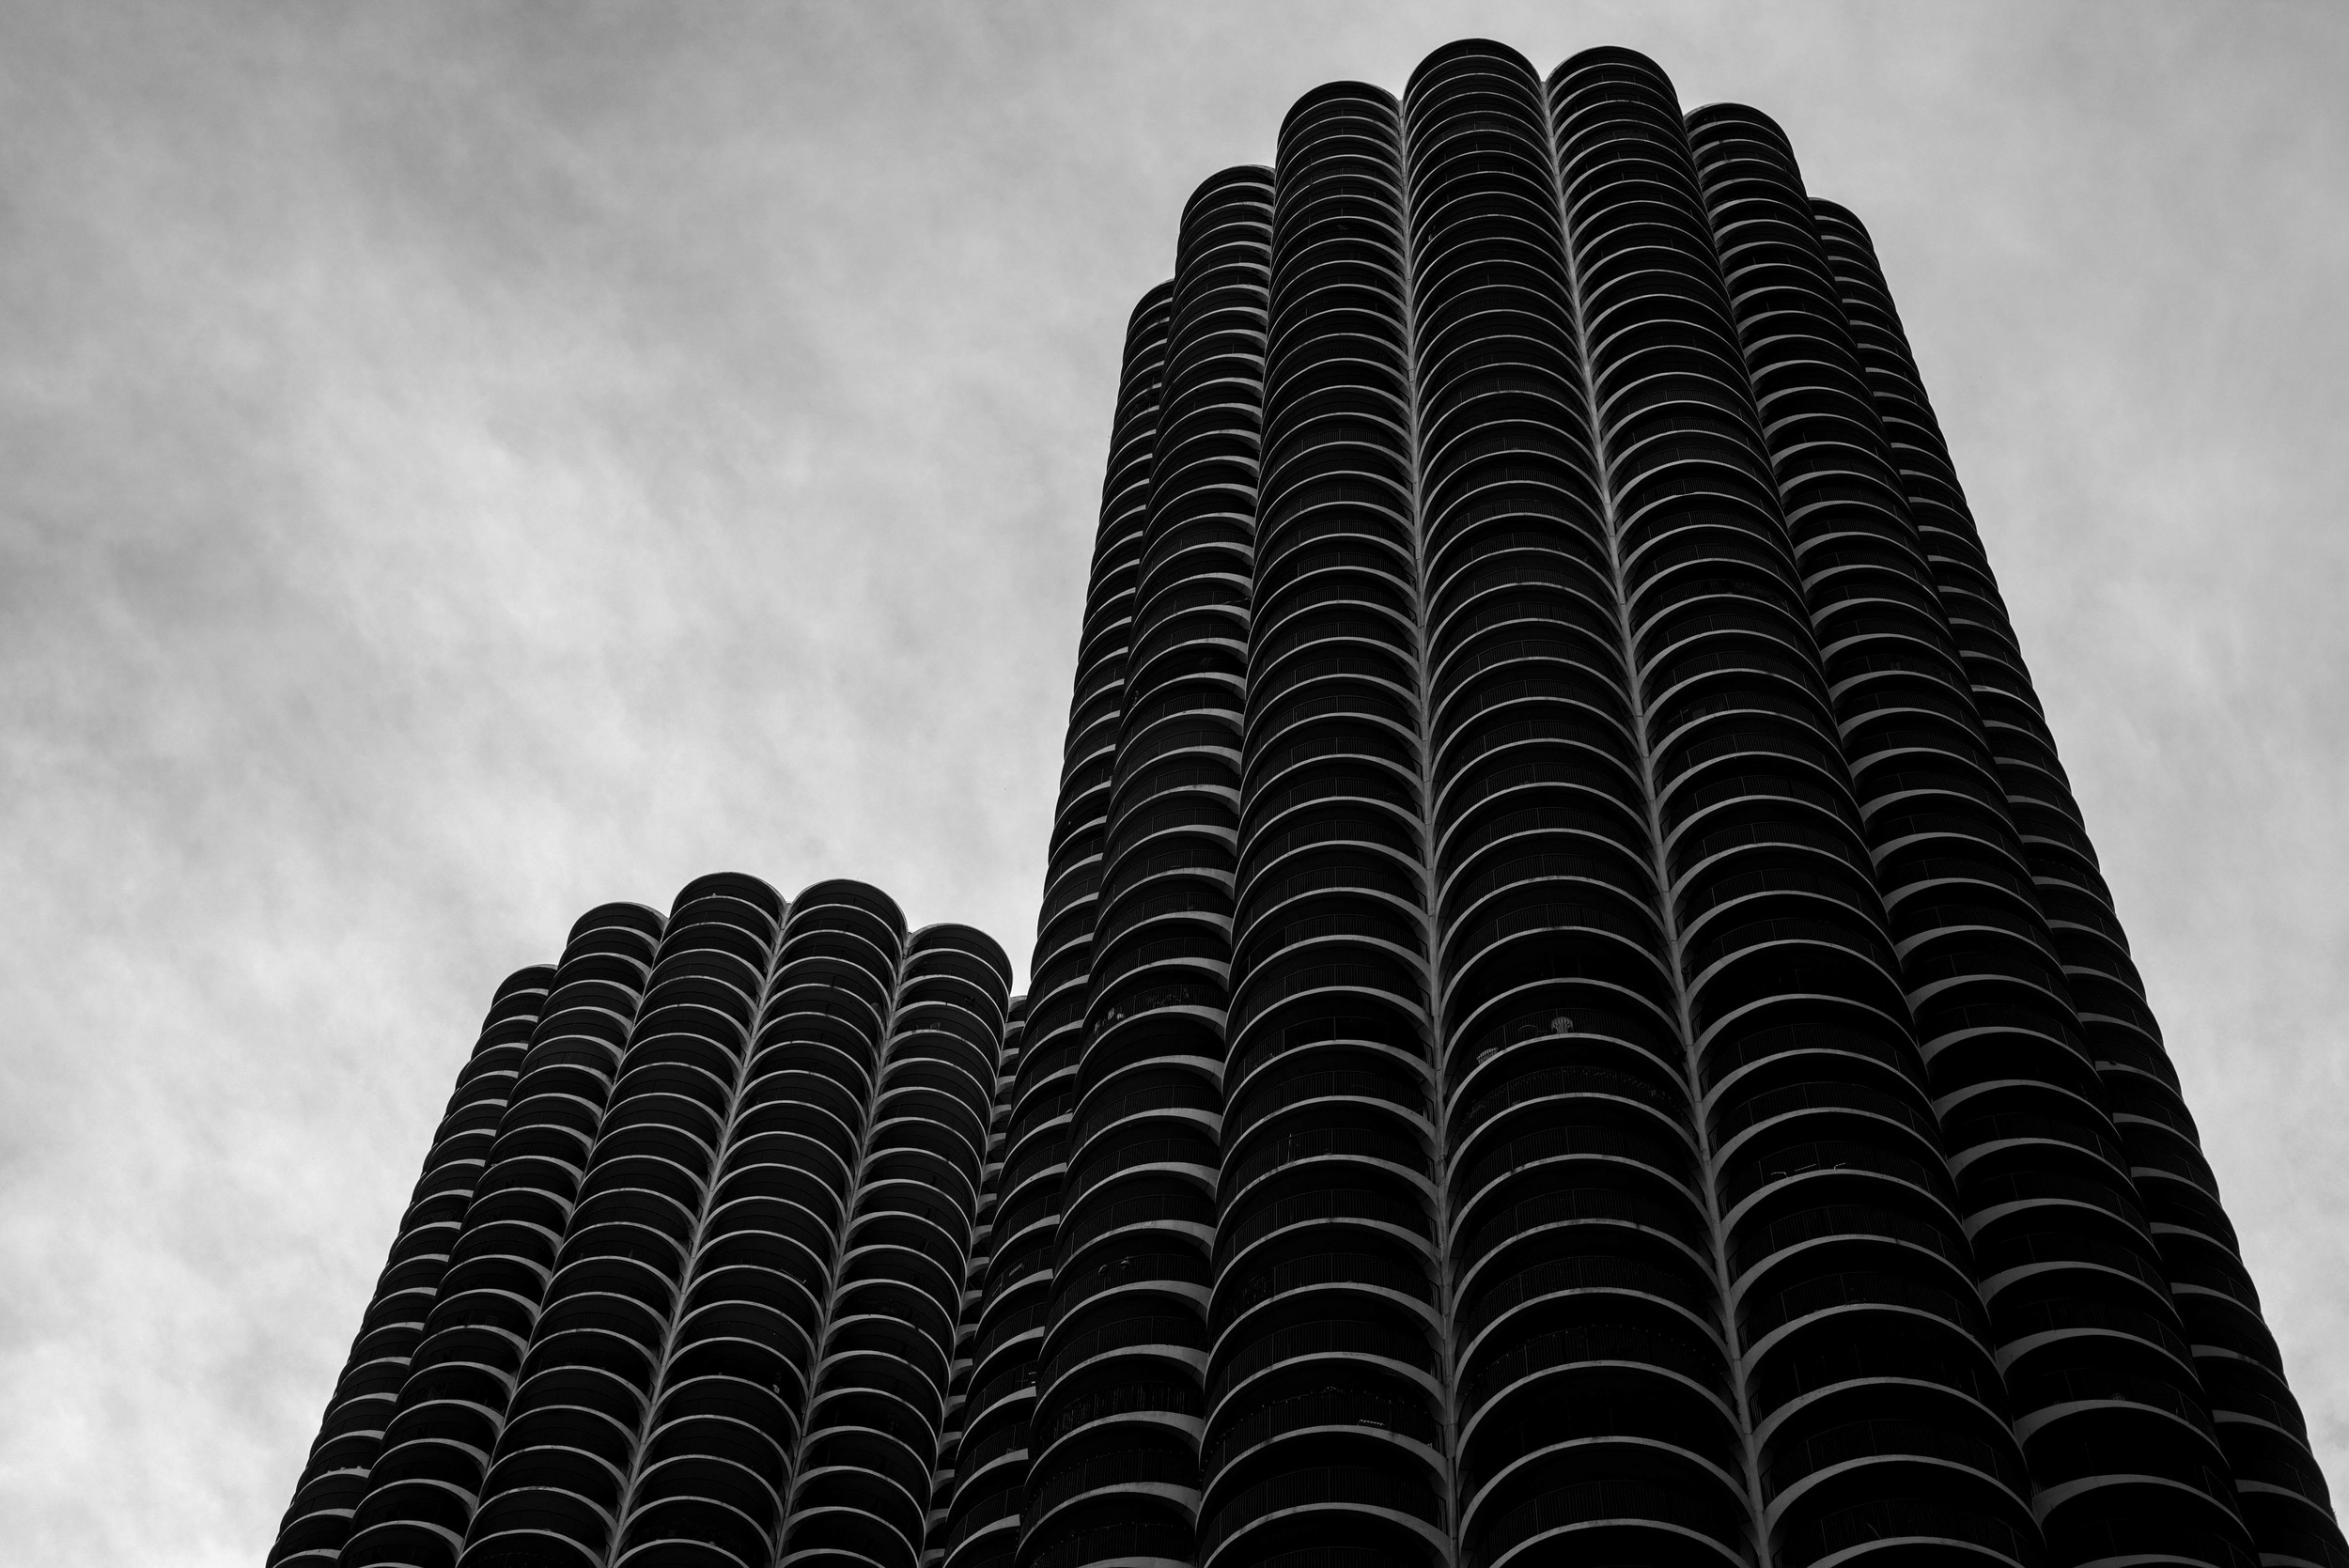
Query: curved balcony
x: 674, y: 1193
x: 1257, y: 1448
x: 1506, y: 604
x: 1326, y: 1185
x: 1162, y: 953
x: 880, y: 1414
x: 435, y: 1444
x: 1575, y: 1403
x: 729, y: 1392
x: 1367, y: 445
x: 1114, y: 1433
x: 2280, y: 1509
x: 351, y: 1435
x: 1749, y: 772
x: 1315, y: 631
x: 1330, y: 555
x: 1555, y: 967
x: 1554, y: 712
x: 1500, y: 681
x: 1974, y: 955
x: 1537, y: 768
x: 1369, y: 1502
x: 982, y: 1449
x: 600, y: 1342
x: 1853, y: 1444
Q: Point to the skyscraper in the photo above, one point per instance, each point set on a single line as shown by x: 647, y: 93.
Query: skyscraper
x: 687, y: 1255
x: 1574, y: 1017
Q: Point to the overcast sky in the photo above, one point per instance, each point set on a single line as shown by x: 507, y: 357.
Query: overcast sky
x: 460, y: 463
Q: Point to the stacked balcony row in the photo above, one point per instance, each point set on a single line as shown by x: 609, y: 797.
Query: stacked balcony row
x: 945, y: 1484
x: 351, y: 1435
x: 2179, y: 1226
x: 723, y: 1419
x: 878, y: 1401
x: 565, y: 1455
x: 1324, y: 1413
x: 1682, y: 1093
x: 1112, y: 1438
x: 1599, y: 1408
x: 1847, y: 1283
x: 730, y: 1199
x: 982, y: 1521
x: 1575, y: 1014
x: 2123, y: 1455
x: 424, y: 1487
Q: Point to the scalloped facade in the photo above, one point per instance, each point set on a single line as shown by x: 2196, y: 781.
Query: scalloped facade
x: 1574, y: 1019
x: 687, y: 1273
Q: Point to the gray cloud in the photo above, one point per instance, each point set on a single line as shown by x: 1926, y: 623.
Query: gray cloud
x: 462, y: 463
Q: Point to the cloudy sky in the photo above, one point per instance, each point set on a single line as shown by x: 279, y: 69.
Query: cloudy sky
x: 459, y: 463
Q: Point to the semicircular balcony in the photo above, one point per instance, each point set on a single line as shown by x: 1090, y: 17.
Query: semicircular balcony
x: 440, y: 1432
x: 334, y: 1475
x: 1270, y: 1495
x: 1354, y: 1496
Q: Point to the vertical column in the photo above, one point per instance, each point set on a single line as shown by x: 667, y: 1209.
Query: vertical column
x: 991, y: 1469
x: 568, y: 1448
x: 862, y: 1492
x: 731, y: 1401
x: 1114, y: 1472
x: 1595, y: 1398
x: 951, y: 1446
x: 982, y: 1526
x: 2013, y: 1095
x: 423, y: 1489
x: 2111, y: 1354
x: 2018, y: 1099
x: 352, y: 1434
x: 1325, y: 1383
x: 1835, y: 1219
x: 1072, y: 881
